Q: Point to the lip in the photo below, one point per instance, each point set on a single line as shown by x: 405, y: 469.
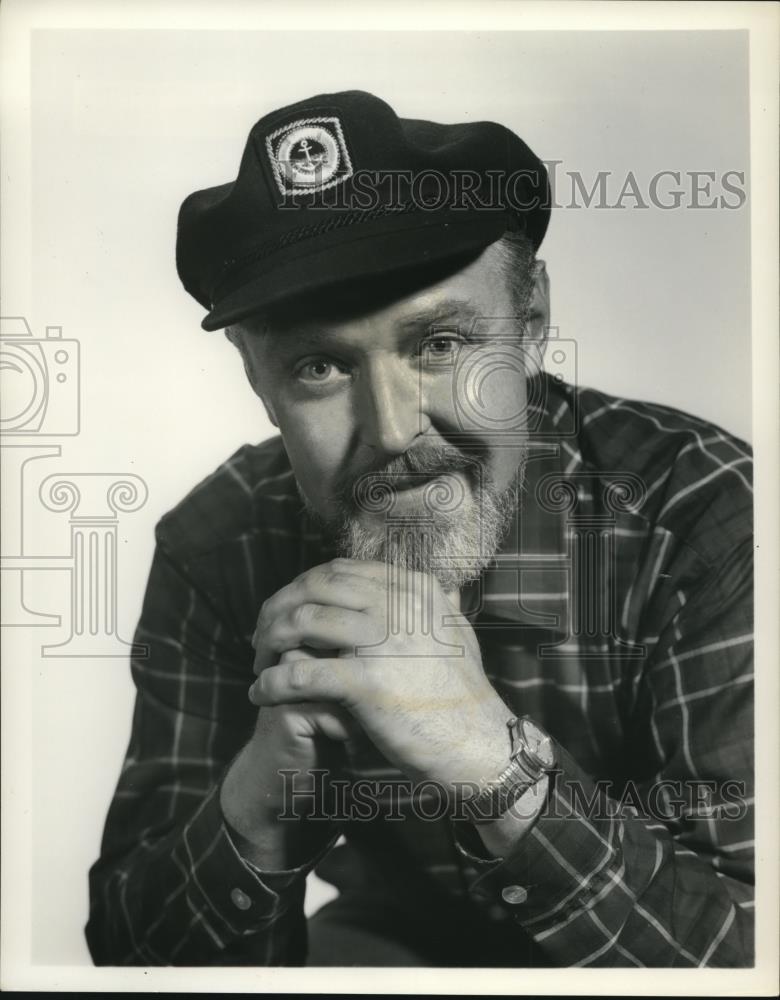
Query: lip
x: 412, y: 493
x: 409, y: 492
x: 411, y: 484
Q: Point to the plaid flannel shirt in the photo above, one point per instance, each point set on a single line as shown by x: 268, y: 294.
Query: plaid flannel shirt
x: 617, y: 614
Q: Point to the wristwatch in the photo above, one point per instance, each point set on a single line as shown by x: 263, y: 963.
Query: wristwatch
x: 532, y: 755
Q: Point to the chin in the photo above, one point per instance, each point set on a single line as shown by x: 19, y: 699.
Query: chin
x: 455, y: 547
x: 447, y: 527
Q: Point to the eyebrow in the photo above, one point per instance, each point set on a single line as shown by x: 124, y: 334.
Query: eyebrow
x: 319, y: 338
x: 451, y: 309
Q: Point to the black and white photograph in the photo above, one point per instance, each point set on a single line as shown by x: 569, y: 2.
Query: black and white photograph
x: 389, y: 438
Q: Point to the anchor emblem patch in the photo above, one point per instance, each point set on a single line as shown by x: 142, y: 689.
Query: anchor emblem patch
x: 309, y: 155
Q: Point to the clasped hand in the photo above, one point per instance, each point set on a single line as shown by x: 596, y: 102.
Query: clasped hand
x: 405, y: 665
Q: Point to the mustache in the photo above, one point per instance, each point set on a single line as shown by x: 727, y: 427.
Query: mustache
x: 423, y: 464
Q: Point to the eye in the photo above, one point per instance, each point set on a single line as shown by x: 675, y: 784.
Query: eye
x: 441, y: 345
x: 320, y: 371
x: 441, y: 348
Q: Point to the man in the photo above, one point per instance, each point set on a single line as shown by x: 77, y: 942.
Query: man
x: 496, y: 629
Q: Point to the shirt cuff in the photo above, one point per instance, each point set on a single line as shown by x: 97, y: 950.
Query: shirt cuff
x: 561, y: 863
x: 222, y: 881
x: 281, y: 879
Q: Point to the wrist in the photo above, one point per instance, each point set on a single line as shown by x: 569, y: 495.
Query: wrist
x: 487, y: 754
x: 501, y: 836
x: 248, y: 808
x: 260, y: 829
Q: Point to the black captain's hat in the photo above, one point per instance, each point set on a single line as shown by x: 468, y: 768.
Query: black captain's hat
x: 337, y: 188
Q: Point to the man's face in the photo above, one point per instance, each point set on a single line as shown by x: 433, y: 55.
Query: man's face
x: 397, y: 414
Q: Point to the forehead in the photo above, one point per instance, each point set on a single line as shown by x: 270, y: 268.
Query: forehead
x: 479, y: 288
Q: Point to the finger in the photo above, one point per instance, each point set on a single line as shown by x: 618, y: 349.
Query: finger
x: 316, y: 626
x: 301, y: 653
x: 334, y: 722
x: 333, y: 680
x: 384, y: 577
x: 364, y: 568
x: 314, y: 720
x: 325, y: 584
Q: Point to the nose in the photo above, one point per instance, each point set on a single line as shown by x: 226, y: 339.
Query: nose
x: 391, y: 410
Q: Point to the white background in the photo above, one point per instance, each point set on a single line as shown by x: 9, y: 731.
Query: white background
x: 124, y: 124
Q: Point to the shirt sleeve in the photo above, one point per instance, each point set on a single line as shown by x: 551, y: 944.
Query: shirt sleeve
x: 170, y: 888
x: 657, y: 872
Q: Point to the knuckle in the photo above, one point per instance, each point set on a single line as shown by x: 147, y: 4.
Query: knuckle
x: 299, y: 588
x: 302, y: 616
x: 328, y: 578
x: 311, y: 583
x: 325, y: 572
x: 338, y: 578
x: 299, y: 674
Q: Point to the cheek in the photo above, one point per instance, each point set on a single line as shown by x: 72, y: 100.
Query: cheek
x: 490, y: 393
x: 508, y: 399
x: 316, y: 437
x: 491, y: 400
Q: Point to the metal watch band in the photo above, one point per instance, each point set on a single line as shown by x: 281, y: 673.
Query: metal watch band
x: 524, y: 770
x: 499, y: 795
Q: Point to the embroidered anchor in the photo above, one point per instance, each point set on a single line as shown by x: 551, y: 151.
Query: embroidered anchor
x: 311, y: 162
x: 309, y: 155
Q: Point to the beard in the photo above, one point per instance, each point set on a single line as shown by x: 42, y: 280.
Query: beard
x: 452, y: 527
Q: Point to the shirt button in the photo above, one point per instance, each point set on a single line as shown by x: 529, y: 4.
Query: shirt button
x: 240, y: 899
x: 514, y: 894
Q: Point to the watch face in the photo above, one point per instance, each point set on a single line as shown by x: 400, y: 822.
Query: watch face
x: 538, y: 742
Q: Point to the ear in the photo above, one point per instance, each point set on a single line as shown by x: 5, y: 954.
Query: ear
x: 539, y: 306
x: 269, y: 409
x: 235, y: 335
x: 260, y: 390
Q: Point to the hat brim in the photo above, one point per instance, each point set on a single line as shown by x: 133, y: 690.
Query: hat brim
x: 371, y: 250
